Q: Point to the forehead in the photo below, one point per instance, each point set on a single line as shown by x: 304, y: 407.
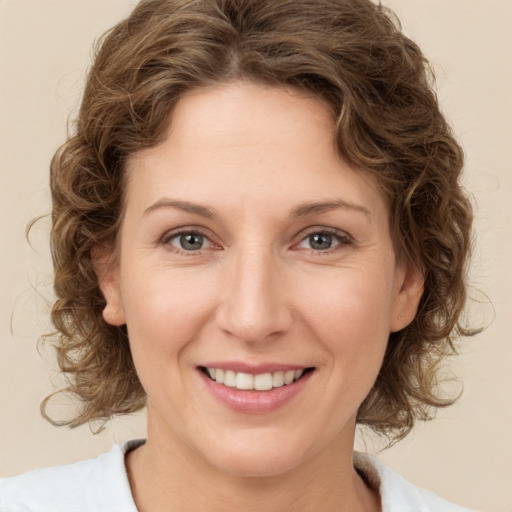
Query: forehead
x: 241, y: 109
x: 271, y: 143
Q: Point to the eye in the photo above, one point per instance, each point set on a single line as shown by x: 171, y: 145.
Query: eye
x: 323, y: 241
x: 188, y: 241
x: 320, y: 241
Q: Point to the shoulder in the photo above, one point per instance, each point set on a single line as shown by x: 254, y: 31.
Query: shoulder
x: 95, y: 485
x: 397, y: 494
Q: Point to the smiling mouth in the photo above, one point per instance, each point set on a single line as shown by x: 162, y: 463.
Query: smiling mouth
x: 258, y: 382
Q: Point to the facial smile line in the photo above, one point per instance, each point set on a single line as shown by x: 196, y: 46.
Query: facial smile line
x: 258, y: 382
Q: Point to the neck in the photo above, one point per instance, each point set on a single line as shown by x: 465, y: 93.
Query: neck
x: 166, y: 475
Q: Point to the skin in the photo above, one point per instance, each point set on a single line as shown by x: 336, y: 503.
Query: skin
x: 258, y: 290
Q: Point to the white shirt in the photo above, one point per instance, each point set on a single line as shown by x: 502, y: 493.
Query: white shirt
x: 101, y: 485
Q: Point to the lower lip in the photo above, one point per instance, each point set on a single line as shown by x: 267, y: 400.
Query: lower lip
x: 255, y: 402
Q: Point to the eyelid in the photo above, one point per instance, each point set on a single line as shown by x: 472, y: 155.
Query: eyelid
x: 341, y: 236
x: 166, y: 238
x: 344, y: 238
x: 173, y: 233
x: 206, y: 241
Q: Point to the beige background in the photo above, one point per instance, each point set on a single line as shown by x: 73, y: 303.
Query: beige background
x: 466, y: 455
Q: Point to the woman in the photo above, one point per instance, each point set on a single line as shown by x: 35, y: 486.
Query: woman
x: 258, y: 232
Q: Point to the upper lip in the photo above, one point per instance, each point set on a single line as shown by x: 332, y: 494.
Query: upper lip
x: 254, y: 369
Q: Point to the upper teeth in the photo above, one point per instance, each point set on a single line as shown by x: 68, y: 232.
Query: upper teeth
x: 259, y: 382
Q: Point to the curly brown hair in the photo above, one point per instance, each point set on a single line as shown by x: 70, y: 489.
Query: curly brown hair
x: 352, y: 54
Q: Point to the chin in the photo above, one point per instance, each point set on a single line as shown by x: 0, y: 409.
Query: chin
x: 265, y: 455
x: 256, y: 465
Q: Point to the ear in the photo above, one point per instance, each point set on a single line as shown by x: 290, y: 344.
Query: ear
x: 409, y: 282
x: 106, y: 265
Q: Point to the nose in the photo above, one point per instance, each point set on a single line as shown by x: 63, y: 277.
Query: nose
x: 254, y: 307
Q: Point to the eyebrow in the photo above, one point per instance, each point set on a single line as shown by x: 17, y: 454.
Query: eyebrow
x: 306, y: 209
x: 185, y: 206
x: 302, y: 210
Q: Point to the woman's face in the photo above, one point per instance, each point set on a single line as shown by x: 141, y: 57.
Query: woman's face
x: 251, y: 252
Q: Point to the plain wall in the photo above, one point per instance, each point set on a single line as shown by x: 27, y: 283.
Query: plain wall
x: 45, y: 48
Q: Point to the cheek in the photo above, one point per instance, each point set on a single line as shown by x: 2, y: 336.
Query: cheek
x: 350, y: 314
x: 164, y: 311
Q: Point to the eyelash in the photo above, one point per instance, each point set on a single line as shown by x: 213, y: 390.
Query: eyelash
x: 168, y: 237
x: 343, y: 239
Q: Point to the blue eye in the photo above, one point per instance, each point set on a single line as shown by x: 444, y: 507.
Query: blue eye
x: 320, y: 241
x: 323, y: 241
x: 189, y: 241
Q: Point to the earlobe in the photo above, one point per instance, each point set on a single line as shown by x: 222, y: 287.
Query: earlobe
x: 106, y: 266
x: 113, y: 315
x: 409, y: 289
